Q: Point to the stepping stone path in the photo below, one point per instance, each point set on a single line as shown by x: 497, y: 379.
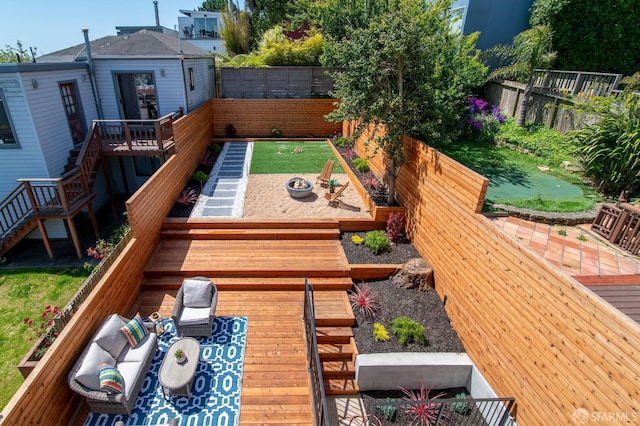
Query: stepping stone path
x: 223, y: 194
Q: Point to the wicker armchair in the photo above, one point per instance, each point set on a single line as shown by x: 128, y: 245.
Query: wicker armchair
x: 194, y: 310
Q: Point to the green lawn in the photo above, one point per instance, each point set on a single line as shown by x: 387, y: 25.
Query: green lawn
x: 25, y: 293
x: 281, y: 157
x: 515, y: 179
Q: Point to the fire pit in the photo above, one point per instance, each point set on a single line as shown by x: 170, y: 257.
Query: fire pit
x: 299, y: 188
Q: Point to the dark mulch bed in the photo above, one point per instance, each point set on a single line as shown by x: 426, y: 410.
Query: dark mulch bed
x: 400, y: 251
x: 424, y: 307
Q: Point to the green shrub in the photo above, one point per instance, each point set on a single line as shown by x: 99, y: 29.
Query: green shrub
x: 610, y: 148
x: 380, y: 334
x: 407, y: 330
x: 215, y: 148
x: 538, y: 140
x: 201, y: 177
x: 342, y: 142
x: 460, y: 407
x: 275, y: 133
x: 377, y: 241
x: 360, y: 164
x: 388, y: 411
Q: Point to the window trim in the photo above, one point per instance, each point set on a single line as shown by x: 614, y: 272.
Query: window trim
x: 16, y: 144
x: 192, y: 79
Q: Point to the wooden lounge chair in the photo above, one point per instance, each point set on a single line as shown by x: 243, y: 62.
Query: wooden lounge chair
x: 325, y: 174
x: 333, y: 198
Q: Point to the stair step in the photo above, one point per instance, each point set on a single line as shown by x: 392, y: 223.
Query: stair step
x: 345, y: 369
x: 210, y: 223
x: 321, y: 284
x: 334, y: 334
x: 252, y: 234
x: 337, y: 351
x: 341, y: 387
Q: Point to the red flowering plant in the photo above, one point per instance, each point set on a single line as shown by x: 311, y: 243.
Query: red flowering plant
x: 43, y: 327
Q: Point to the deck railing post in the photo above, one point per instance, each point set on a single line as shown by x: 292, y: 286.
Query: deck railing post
x: 127, y: 135
x: 62, y: 194
x: 158, y: 126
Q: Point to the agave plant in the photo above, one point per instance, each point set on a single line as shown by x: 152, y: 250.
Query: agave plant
x: 187, y: 197
x: 422, y: 411
x: 365, y: 300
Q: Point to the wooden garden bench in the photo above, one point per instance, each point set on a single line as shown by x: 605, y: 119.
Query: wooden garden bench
x: 333, y: 198
x: 325, y: 174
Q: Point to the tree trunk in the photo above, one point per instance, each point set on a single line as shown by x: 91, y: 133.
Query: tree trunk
x: 524, y: 103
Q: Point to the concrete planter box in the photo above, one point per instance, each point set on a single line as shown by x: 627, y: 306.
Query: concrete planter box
x: 410, y: 370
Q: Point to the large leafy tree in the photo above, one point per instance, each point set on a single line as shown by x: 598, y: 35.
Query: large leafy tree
x: 594, y: 35
x: 214, y: 5
x: 266, y: 14
x: 531, y: 49
x: 16, y: 54
x: 408, y: 72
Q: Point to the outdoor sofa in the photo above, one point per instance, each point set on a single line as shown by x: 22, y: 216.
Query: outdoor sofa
x: 110, y: 346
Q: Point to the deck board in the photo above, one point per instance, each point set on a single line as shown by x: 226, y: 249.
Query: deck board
x: 276, y: 387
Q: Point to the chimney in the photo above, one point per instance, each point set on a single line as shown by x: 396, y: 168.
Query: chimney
x: 155, y: 6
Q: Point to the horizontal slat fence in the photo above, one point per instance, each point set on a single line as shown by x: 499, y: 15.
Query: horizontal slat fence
x: 45, y: 397
x: 257, y: 117
x: 275, y: 82
x: 533, y: 332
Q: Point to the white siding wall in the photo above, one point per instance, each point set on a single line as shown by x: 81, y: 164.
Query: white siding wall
x: 27, y: 160
x: 170, y: 90
x: 50, y: 120
x: 204, y: 82
x: 213, y: 45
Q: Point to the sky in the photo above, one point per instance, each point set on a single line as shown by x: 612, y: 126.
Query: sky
x: 53, y: 25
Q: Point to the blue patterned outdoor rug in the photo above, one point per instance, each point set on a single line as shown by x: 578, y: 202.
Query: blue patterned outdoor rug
x: 216, y: 391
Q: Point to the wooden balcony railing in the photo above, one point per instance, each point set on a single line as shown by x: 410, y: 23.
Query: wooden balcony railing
x: 14, y: 210
x: 116, y: 136
x: 620, y: 224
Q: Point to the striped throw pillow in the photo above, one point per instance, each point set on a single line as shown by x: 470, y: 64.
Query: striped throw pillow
x: 135, y: 331
x: 111, y: 380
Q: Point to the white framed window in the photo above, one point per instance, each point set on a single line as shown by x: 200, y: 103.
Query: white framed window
x: 8, y: 138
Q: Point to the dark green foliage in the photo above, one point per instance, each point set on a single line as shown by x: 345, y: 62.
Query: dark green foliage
x: 342, y: 142
x: 214, y: 5
x: 407, y: 331
x: 276, y: 133
x: 406, y: 71
x: 215, y: 148
x: 610, y: 148
x: 594, y: 35
x: 360, y: 164
x: 377, y: 241
x: 388, y: 411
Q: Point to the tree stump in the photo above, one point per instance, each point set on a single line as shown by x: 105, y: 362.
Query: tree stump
x: 415, y: 273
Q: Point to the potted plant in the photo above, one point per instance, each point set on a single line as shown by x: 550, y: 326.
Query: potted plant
x: 332, y: 183
x: 180, y: 356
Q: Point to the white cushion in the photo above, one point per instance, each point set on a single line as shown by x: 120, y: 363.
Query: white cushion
x: 194, y: 316
x: 130, y: 372
x: 110, y: 338
x: 196, y: 293
x: 89, y: 372
x: 140, y: 353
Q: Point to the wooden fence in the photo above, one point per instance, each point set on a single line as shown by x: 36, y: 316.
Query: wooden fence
x: 534, y: 333
x: 45, y: 397
x: 257, y: 117
x: 275, y: 82
x: 577, y: 83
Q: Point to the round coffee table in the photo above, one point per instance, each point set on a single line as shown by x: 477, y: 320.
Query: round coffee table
x: 176, y: 378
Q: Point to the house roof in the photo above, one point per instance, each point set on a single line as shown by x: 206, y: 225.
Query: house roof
x: 143, y: 44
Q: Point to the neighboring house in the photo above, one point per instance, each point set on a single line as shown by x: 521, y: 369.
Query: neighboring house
x: 145, y: 75
x: 47, y: 108
x: 497, y: 20
x: 45, y: 111
x: 202, y: 29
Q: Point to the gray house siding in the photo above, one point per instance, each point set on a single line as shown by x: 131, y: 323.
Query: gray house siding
x: 25, y: 160
x: 204, y: 79
x: 49, y: 116
x: 168, y: 80
x: 497, y: 20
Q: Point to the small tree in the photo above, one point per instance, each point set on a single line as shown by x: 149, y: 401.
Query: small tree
x: 16, y: 54
x: 531, y: 50
x: 235, y: 32
x: 407, y: 72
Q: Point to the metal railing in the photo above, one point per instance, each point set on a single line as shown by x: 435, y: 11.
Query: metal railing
x: 453, y: 411
x: 313, y: 358
x: 577, y: 83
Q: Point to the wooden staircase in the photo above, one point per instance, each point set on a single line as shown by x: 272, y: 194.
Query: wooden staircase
x: 274, y: 255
